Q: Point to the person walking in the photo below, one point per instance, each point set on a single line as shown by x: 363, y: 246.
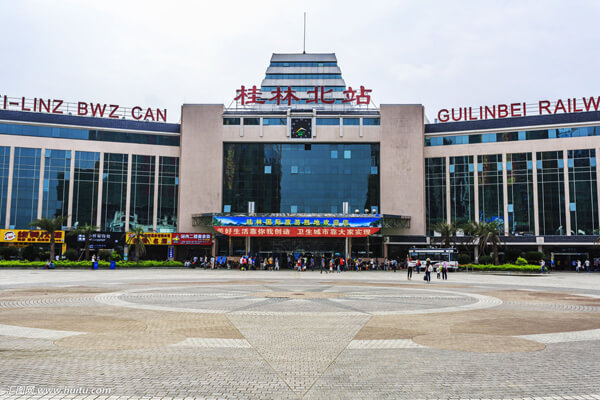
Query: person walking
x: 418, y: 266
x: 428, y: 270
x: 323, y: 265
x: 543, y: 265
x: 578, y: 267
x: 409, y: 269
x: 587, y: 266
x: 445, y: 270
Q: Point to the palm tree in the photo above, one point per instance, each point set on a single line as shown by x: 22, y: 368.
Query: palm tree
x: 489, y: 233
x: 50, y: 225
x: 135, y: 239
x: 86, y: 230
x: 446, y: 231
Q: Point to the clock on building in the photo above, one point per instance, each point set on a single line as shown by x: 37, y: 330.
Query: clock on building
x: 301, y: 128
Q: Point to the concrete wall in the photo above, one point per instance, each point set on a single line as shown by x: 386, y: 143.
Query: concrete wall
x: 201, y: 160
x: 403, y: 165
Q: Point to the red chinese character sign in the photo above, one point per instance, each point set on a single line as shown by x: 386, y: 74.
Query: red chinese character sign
x: 285, y: 95
x: 295, y: 231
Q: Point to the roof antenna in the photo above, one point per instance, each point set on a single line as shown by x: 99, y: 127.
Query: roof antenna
x: 304, y: 43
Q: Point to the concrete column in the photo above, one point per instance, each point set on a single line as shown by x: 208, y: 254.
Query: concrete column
x: 346, y: 247
x: 230, y: 250
x: 71, y: 189
x: 155, y: 208
x: 314, y: 123
x: 128, y: 193
x: 505, y: 193
x: 361, y: 127
x: 41, y: 183
x: 100, y: 191
x: 261, y: 127
x: 448, y: 200
x: 536, y: 204
x: 476, y: 253
x: 567, y: 194
x: 341, y: 127
x: 289, y: 124
x: 11, y: 166
x: 241, y: 126
x: 476, y: 187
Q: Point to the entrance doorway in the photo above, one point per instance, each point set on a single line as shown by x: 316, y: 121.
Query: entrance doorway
x: 567, y: 261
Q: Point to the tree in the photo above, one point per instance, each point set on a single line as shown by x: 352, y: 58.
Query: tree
x: 136, y: 238
x: 86, y: 230
x: 487, y: 233
x: 447, y: 232
x: 49, y: 225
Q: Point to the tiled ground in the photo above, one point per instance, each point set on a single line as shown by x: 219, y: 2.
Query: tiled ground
x: 288, y: 335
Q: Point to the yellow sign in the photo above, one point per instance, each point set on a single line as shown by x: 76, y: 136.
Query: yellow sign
x: 29, y: 236
x: 151, y: 238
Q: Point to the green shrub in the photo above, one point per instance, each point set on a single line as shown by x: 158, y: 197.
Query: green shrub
x: 71, y: 254
x: 105, y: 254
x: 521, y: 261
x: 511, y: 255
x: 486, y: 259
x: 9, y: 252
x: 505, y: 267
x: 114, y: 256
x: 533, y: 257
x: 463, y: 259
x: 30, y: 253
x: 88, y: 264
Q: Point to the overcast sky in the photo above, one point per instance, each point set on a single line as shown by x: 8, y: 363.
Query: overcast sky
x: 165, y: 53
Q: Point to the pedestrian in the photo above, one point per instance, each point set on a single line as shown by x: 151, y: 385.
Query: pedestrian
x: 428, y: 270
x: 409, y: 269
x: 445, y: 270
x: 587, y: 266
x: 439, y: 270
x: 543, y: 265
x: 276, y: 264
x: 418, y: 266
x: 323, y: 265
x: 578, y: 266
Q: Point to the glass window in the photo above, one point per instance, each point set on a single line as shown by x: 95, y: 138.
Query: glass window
x: 274, y: 121
x: 25, y: 187
x: 435, y: 192
x: 351, y: 121
x: 328, y: 121
x: 371, y: 121
x: 251, y: 121
x: 168, y: 192
x: 551, y: 193
x: 267, y: 169
x: 490, y: 186
x: 583, y: 192
x: 114, y: 192
x: 231, y: 121
x: 347, y: 154
x: 57, y: 167
x: 312, y: 181
x: 227, y: 208
x: 141, y: 208
x: 303, y: 76
x: 88, y: 134
x: 294, y: 209
x: 85, y: 188
x: 374, y: 171
x: 4, y: 169
x: 462, y: 196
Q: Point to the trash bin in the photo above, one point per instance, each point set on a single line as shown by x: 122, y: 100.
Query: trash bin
x: 95, y: 265
x: 113, y: 265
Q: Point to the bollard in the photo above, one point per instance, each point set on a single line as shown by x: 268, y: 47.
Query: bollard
x: 113, y: 265
x: 95, y: 265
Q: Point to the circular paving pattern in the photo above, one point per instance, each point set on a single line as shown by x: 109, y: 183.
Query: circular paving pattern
x: 280, y: 336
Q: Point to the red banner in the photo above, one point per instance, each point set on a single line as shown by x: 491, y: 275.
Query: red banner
x: 296, y: 232
x: 202, y: 239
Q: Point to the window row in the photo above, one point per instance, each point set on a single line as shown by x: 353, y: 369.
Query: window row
x: 513, y: 136
x: 71, y: 180
x: 88, y: 134
x: 304, y: 64
x: 322, y: 121
x: 554, y: 215
x: 304, y: 76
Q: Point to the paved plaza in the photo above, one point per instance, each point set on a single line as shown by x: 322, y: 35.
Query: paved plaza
x: 179, y: 334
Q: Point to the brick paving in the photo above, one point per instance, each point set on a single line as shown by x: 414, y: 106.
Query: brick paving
x: 182, y: 334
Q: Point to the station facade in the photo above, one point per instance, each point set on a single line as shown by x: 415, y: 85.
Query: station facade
x: 304, y: 162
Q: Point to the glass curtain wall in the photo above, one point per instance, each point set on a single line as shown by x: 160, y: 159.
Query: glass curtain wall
x: 583, y: 192
x: 85, y: 188
x: 57, y: 170
x: 25, y: 187
x: 519, y: 176
x: 141, y: 209
x: 168, y: 182
x: 462, y: 198
x: 435, y: 191
x: 551, y: 192
x: 114, y: 192
x: 491, y: 191
x: 300, y: 178
x: 4, y: 170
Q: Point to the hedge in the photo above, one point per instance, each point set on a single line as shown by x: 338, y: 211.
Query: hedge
x: 88, y: 264
x: 504, y: 267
